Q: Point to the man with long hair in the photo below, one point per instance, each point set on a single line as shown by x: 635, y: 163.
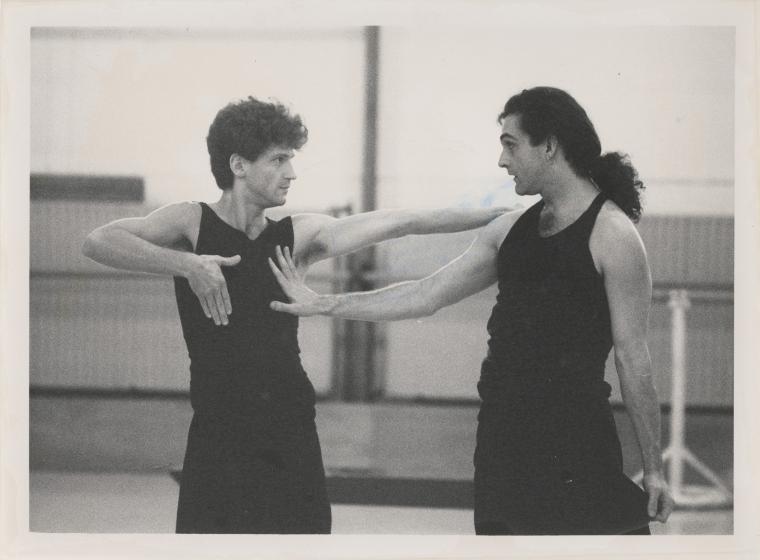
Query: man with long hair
x: 574, y: 283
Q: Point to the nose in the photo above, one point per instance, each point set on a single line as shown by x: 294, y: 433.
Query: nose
x: 290, y: 172
x: 504, y: 159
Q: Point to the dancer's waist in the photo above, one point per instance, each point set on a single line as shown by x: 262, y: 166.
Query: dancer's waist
x: 543, y: 382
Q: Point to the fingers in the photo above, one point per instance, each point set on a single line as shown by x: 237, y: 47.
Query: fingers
x: 654, y: 498
x: 289, y: 260
x: 660, y: 505
x: 210, y: 286
x: 292, y: 308
x: 229, y: 261
x: 666, y: 507
x: 221, y: 307
x: 226, y: 299
x: 211, y: 303
x: 279, y: 306
x: 285, y: 261
x: 279, y: 276
x: 204, y: 306
x: 217, y: 306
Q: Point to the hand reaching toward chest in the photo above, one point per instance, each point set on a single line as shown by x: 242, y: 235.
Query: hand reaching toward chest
x: 303, y: 301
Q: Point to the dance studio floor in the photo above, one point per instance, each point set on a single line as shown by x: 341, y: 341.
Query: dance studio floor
x: 145, y: 503
x: 103, y: 465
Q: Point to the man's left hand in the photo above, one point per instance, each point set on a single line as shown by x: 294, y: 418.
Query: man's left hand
x: 660, y: 501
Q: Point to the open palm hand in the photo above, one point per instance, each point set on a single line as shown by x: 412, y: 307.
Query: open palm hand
x: 303, y: 301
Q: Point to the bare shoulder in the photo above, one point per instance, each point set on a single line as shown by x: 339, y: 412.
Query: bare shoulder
x: 308, y: 223
x: 614, y: 227
x: 178, y: 222
x: 185, y: 211
x: 307, y: 227
x: 615, y: 240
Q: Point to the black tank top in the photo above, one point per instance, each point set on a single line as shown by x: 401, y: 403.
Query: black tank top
x: 551, y: 321
x: 255, y: 359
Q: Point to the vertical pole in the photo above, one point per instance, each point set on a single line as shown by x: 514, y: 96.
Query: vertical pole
x: 678, y: 303
x: 359, y: 373
x: 677, y: 454
x: 371, y: 80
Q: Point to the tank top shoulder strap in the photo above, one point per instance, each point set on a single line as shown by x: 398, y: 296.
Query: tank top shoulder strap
x: 280, y: 232
x: 203, y: 226
x: 208, y: 216
x: 588, y: 219
x: 213, y: 232
x: 527, y: 224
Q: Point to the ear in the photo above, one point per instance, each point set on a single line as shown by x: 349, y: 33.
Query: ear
x: 237, y: 165
x: 551, y: 147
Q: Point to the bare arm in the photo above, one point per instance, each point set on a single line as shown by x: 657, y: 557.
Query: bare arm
x: 319, y: 236
x: 628, y: 284
x: 471, y: 272
x: 162, y: 243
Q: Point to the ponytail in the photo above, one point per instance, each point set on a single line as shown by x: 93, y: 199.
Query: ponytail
x: 616, y: 177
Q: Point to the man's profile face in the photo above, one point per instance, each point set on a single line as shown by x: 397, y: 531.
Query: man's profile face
x: 522, y: 161
x: 267, y: 179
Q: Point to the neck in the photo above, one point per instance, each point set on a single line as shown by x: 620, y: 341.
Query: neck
x: 567, y: 192
x: 241, y: 212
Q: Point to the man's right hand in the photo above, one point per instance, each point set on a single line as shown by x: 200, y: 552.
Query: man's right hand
x: 208, y: 283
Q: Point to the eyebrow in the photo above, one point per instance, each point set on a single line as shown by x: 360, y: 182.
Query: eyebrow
x: 508, y: 136
x: 287, y: 154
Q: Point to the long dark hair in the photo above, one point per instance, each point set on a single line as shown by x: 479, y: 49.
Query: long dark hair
x: 548, y: 111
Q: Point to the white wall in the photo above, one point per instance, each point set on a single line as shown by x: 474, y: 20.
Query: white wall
x: 665, y: 95
x: 139, y: 102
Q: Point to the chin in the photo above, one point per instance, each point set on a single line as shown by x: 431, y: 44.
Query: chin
x: 524, y: 190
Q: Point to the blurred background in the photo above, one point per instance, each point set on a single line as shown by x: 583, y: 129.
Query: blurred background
x: 397, y: 117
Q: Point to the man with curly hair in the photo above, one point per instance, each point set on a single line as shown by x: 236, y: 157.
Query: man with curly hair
x: 253, y: 462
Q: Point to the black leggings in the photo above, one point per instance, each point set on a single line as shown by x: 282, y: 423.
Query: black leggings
x: 497, y: 528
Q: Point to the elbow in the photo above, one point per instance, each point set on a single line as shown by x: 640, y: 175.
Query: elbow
x: 429, y: 304
x: 631, y: 350
x: 88, y: 247
x: 426, y: 309
x: 92, y: 244
x: 633, y: 358
x: 418, y: 303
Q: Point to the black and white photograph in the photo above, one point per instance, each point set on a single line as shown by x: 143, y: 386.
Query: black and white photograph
x: 438, y: 280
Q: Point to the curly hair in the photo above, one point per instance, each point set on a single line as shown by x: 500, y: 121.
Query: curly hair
x: 249, y: 127
x: 548, y: 111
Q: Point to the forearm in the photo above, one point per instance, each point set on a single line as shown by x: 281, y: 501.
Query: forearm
x: 642, y: 405
x: 121, y: 249
x: 450, y: 220
x: 319, y: 237
x: 405, y: 300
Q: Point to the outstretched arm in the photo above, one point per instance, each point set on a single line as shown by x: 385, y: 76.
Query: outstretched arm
x: 162, y: 243
x: 471, y: 272
x: 628, y: 284
x: 318, y: 236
